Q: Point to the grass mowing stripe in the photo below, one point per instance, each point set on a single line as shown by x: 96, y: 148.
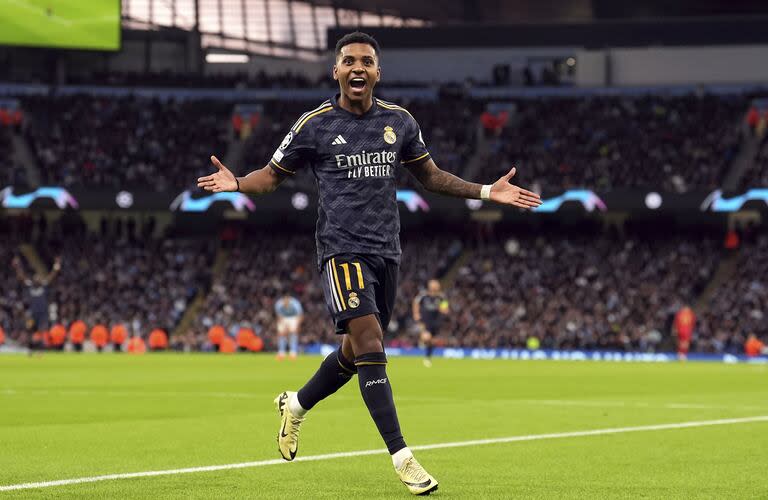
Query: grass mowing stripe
x: 330, y: 456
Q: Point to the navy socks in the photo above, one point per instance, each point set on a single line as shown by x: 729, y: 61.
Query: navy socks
x: 334, y: 372
x: 377, y: 394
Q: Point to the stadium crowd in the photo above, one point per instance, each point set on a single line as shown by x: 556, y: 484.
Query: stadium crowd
x: 757, y: 176
x: 121, y: 143
x: 262, y: 268
x: 568, y: 291
x: 738, y: 307
x: 142, y: 284
x: 599, y: 143
x: 577, y: 292
x: 604, y: 143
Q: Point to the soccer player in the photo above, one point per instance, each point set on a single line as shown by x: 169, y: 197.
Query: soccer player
x: 428, y: 309
x: 289, y: 317
x: 685, y: 322
x: 37, y: 299
x: 353, y: 143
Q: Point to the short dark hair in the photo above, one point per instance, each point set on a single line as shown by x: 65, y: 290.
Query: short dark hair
x: 358, y: 37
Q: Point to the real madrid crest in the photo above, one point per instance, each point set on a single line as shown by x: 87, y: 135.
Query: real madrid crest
x: 353, y: 300
x: 389, y: 135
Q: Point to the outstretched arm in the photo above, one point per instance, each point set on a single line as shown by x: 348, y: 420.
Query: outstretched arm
x: 440, y: 181
x: 260, y: 181
x: 19, y: 270
x: 416, y: 309
x: 54, y: 270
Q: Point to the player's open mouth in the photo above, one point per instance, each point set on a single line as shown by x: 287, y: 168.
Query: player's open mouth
x: 357, y: 84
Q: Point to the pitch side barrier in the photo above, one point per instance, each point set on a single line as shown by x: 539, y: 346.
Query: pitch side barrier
x: 553, y: 355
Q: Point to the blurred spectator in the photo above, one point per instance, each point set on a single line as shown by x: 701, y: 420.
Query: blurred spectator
x: 158, y: 340
x: 99, y: 337
x: 754, y: 347
x: 117, y: 336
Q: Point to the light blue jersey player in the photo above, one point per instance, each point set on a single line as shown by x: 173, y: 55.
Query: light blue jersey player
x: 289, y: 317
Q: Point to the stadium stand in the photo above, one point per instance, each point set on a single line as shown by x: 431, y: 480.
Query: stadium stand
x: 142, y: 283
x: 11, y: 174
x: 737, y: 307
x: 570, y: 291
x: 120, y: 143
x: 757, y: 176
x: 599, y: 143
x: 577, y: 292
x: 261, y: 268
x: 620, y: 142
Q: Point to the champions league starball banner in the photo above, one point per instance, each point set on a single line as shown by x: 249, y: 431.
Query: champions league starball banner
x: 415, y: 202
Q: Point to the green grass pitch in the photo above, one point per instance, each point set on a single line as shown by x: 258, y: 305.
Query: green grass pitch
x: 76, y: 24
x: 68, y: 416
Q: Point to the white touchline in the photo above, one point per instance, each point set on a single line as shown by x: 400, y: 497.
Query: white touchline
x: 347, y: 454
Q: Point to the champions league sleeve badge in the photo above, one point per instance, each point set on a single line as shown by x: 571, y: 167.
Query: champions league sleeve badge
x: 286, y: 141
x: 389, y: 135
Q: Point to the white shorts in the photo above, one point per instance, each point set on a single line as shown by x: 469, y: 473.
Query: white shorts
x: 287, y: 325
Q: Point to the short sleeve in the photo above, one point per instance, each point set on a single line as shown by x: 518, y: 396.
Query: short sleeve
x: 414, y: 150
x: 296, y: 150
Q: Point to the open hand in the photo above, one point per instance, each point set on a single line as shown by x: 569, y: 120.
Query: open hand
x: 222, y: 180
x: 509, y: 194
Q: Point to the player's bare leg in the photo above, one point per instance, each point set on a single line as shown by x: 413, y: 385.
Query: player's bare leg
x: 282, y: 343
x: 366, y: 338
x: 293, y: 344
x: 426, y: 340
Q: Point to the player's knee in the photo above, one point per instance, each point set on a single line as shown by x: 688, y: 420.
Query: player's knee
x: 366, y: 335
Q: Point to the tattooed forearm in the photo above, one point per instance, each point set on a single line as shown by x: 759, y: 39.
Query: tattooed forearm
x: 442, y: 182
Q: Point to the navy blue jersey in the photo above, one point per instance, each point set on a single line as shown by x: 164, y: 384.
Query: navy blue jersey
x: 429, y: 307
x: 37, y: 296
x: 353, y: 158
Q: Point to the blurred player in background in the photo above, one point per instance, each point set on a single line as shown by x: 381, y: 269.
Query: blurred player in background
x: 289, y: 317
x: 354, y: 143
x: 428, y: 310
x: 685, y: 322
x: 37, y: 300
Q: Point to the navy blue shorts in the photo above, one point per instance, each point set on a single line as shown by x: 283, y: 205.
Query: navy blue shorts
x: 356, y: 285
x: 432, y: 326
x: 40, y: 320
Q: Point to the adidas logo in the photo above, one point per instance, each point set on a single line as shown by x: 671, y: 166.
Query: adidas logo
x: 338, y: 140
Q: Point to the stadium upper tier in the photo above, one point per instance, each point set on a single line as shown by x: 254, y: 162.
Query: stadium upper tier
x: 601, y: 143
x: 124, y: 142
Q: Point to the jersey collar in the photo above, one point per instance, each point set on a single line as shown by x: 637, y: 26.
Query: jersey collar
x: 370, y: 112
